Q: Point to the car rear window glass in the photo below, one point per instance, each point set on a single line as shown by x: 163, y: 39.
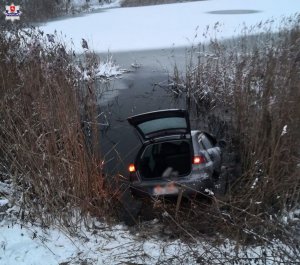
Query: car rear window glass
x: 162, y: 124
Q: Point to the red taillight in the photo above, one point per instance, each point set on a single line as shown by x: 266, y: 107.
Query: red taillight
x: 131, y: 168
x: 198, y: 160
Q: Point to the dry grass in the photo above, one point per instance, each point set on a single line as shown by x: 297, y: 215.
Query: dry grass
x: 257, y: 80
x: 49, y: 142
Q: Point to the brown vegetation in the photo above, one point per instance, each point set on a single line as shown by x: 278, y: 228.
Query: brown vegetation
x: 49, y: 138
x: 256, y: 80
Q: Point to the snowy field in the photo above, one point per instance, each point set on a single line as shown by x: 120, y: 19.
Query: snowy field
x: 167, y: 26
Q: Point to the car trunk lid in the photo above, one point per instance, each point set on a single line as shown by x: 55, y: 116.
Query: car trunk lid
x: 162, y: 123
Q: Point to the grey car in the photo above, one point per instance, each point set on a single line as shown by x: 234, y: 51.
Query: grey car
x: 172, y: 158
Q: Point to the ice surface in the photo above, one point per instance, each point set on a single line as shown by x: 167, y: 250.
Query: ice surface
x: 165, y: 26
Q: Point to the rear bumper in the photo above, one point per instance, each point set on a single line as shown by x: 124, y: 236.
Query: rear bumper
x: 189, y: 186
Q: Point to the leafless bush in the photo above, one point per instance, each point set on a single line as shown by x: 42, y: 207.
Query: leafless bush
x: 49, y: 142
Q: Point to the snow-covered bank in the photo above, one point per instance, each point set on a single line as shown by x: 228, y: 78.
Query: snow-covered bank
x: 166, y: 26
x: 93, y: 242
x: 102, y: 244
x: 79, y: 5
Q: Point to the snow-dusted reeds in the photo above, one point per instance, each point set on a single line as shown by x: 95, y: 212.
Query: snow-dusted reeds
x: 49, y: 133
x: 256, y: 80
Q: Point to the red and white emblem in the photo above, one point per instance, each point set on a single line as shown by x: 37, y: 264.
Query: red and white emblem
x: 12, y: 8
x: 12, y: 12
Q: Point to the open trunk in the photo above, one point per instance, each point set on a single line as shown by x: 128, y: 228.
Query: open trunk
x: 162, y: 123
x: 166, y: 159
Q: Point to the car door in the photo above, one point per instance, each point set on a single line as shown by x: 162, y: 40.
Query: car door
x: 210, y: 144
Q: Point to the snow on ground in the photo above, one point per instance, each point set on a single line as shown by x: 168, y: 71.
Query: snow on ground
x: 97, y: 243
x: 3, y: 202
x: 109, y: 245
x: 166, y: 26
x: 104, y: 245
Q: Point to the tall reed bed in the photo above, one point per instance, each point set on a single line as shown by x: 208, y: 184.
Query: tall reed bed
x: 49, y: 135
x: 255, y: 78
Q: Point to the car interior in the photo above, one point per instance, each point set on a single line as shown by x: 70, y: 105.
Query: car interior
x: 166, y: 159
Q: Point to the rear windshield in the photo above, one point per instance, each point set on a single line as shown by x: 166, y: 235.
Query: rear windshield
x: 151, y: 126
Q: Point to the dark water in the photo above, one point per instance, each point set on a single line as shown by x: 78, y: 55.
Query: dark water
x: 146, y: 89
x: 137, y: 92
x: 142, y: 90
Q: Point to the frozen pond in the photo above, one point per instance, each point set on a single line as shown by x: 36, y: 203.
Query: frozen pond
x: 169, y: 26
x: 154, y: 37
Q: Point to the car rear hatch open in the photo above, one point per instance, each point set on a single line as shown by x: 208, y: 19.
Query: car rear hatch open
x: 161, y: 123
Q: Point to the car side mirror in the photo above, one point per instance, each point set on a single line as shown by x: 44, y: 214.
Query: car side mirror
x: 222, y: 143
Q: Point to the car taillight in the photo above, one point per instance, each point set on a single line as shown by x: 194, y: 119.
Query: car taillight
x: 198, y: 160
x: 131, y: 168
x: 133, y: 174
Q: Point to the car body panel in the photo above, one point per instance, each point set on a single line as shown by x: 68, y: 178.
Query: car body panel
x: 191, y: 184
x: 155, y: 124
x: 209, y: 144
x: 202, y: 144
